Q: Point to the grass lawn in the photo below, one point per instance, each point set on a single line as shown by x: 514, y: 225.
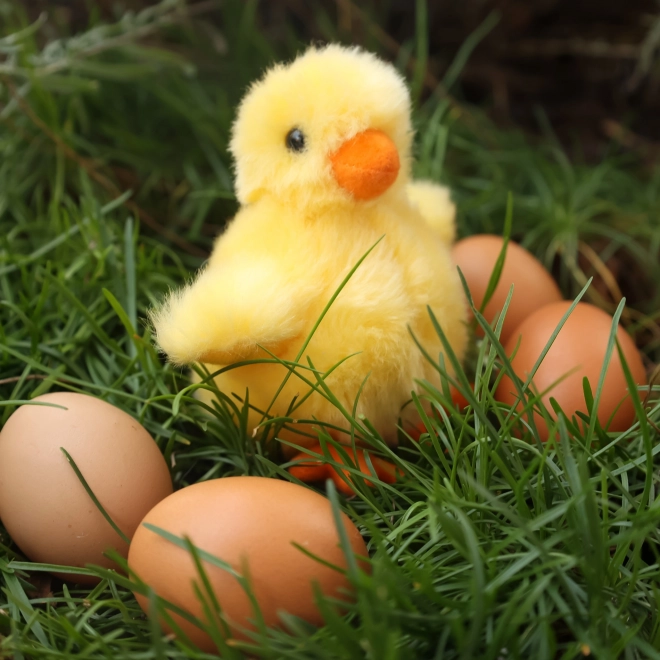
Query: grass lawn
x: 114, y: 180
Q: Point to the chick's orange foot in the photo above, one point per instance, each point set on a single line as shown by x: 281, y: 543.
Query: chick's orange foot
x: 310, y: 469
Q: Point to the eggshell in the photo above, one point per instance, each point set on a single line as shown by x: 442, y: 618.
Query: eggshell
x: 251, y: 523
x: 533, y: 286
x: 579, y: 348
x: 43, y: 505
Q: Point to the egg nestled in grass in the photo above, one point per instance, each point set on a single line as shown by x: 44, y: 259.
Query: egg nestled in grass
x: 579, y: 351
x: 44, y: 505
x: 266, y: 531
x: 533, y: 286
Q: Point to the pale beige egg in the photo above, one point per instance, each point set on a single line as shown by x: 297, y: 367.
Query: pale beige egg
x: 43, y: 504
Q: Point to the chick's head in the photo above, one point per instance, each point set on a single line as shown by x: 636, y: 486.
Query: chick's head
x: 332, y: 127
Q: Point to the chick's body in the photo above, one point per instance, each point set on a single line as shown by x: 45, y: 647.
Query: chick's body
x: 307, y: 219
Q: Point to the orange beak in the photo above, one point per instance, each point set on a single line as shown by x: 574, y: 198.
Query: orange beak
x: 366, y: 165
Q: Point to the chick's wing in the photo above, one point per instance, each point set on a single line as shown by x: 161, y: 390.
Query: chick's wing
x: 230, y: 310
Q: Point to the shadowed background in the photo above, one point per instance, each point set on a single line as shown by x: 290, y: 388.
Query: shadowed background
x: 592, y: 66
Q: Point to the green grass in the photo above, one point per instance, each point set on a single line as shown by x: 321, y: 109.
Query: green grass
x: 114, y: 179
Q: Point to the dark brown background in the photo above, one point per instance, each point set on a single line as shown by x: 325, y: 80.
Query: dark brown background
x: 582, y: 61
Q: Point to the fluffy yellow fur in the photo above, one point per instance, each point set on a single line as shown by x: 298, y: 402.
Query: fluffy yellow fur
x: 435, y: 205
x: 297, y: 236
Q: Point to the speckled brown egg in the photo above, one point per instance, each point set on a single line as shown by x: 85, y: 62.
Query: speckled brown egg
x: 253, y: 524
x: 44, y: 506
x: 534, y: 288
x: 578, y: 352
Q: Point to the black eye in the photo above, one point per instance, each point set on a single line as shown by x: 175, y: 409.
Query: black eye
x: 295, y: 140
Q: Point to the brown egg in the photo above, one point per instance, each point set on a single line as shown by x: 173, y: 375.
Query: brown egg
x: 43, y: 504
x: 251, y: 523
x: 533, y: 286
x: 578, y: 350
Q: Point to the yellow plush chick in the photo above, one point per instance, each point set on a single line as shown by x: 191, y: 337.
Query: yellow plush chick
x: 323, y: 170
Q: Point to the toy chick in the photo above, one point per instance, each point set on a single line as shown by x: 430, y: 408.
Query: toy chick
x: 322, y: 148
